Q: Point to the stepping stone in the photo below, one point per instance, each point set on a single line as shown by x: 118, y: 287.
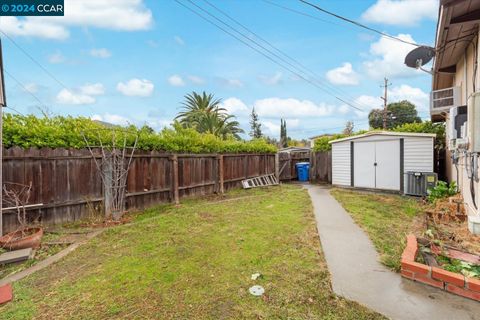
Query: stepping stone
x: 16, y: 256
x: 6, y: 293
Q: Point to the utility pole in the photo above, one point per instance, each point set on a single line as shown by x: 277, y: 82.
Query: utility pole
x: 3, y: 103
x: 384, y: 98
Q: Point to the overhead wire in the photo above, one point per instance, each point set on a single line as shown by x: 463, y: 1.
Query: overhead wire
x: 19, y: 47
x: 301, y: 13
x: 297, y: 63
x: 266, y: 55
x: 363, y: 121
x: 358, y: 24
x: 24, y: 87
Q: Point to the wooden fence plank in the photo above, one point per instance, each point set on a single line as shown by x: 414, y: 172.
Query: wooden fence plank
x: 68, y: 184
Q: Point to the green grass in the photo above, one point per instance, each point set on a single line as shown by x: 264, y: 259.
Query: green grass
x: 194, y: 261
x: 387, y: 219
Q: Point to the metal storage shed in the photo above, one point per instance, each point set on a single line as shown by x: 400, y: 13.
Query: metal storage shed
x: 379, y: 159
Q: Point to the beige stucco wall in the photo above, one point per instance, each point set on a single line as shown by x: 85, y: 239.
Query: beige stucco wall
x: 464, y: 79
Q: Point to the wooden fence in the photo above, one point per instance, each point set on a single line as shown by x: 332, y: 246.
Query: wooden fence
x: 287, y: 162
x: 321, y: 167
x: 67, y: 185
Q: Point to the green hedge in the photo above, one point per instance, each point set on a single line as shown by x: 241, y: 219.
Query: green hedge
x: 321, y: 144
x: 426, y: 127
x: 66, y: 132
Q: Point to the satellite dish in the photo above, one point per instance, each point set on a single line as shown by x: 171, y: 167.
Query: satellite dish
x: 419, y: 57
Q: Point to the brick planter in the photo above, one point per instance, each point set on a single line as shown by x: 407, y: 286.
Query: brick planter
x: 449, y: 281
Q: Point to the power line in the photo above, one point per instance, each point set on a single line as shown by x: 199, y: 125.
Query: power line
x: 301, y: 13
x: 34, y: 60
x: 15, y: 110
x: 23, y: 87
x: 358, y: 24
x: 265, y: 55
x: 298, y: 65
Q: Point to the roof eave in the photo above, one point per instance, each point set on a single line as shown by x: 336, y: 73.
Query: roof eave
x: 385, y: 133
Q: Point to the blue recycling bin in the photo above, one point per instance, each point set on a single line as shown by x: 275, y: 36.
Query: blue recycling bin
x: 303, y: 169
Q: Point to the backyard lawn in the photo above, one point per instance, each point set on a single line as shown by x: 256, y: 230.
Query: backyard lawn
x: 387, y: 219
x: 195, y: 261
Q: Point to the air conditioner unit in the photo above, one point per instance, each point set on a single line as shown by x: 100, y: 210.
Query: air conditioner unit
x: 444, y: 99
x: 418, y: 183
x: 474, y: 122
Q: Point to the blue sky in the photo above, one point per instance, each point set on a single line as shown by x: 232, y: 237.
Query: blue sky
x: 132, y: 61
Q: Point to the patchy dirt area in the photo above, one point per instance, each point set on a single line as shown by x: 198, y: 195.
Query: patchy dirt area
x: 446, y: 222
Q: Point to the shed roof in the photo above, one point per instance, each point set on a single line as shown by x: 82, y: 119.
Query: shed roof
x: 293, y: 149
x: 386, y: 133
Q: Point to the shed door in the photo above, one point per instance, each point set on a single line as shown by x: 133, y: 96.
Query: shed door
x: 363, y: 164
x: 376, y: 164
x: 387, y: 157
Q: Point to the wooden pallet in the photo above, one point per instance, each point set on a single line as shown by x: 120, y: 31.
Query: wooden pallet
x: 260, y: 181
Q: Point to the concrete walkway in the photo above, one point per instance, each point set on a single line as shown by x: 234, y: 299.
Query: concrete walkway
x: 357, y: 275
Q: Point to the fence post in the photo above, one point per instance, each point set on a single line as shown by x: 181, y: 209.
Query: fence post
x: 176, y: 198
x: 329, y: 162
x: 313, y: 166
x: 107, y: 187
x: 220, y: 173
x: 245, y: 165
x: 277, y: 166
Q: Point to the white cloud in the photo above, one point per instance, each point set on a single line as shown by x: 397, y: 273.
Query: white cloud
x: 230, y: 83
x: 136, y: 87
x: 398, y: 93
x: 176, y: 80
x: 271, y: 80
x: 56, y: 58
x: 415, y: 95
x: 83, y: 95
x: 121, y: 15
x: 100, y: 53
x: 66, y: 96
x: 401, y: 12
x: 153, y: 43
x: 156, y: 124
x: 196, y: 80
x: 344, y: 109
x: 273, y: 128
x: 276, y: 107
x: 387, y: 58
x: 93, y: 89
x: 179, y: 40
x: 366, y: 103
x: 235, y: 106
x: 32, y: 27
x: 344, y: 75
x: 112, y: 118
x: 31, y: 87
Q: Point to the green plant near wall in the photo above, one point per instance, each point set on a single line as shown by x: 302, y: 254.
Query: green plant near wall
x: 321, y: 144
x: 426, y: 127
x: 442, y: 190
x: 67, y: 132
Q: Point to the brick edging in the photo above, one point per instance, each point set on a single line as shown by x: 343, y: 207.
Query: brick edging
x: 455, y: 283
x: 6, y: 293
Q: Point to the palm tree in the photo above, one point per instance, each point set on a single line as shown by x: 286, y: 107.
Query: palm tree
x: 204, y: 113
x: 196, y: 106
